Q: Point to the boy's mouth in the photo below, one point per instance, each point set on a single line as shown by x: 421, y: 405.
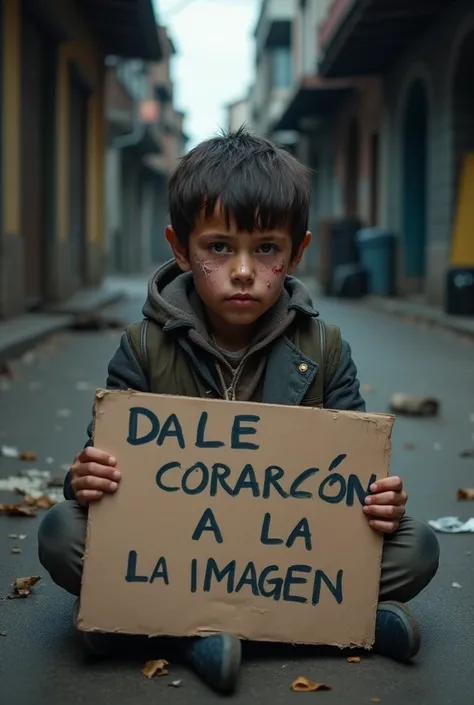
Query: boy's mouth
x: 242, y: 300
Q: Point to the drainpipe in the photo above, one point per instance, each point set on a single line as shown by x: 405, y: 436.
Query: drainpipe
x: 136, y: 135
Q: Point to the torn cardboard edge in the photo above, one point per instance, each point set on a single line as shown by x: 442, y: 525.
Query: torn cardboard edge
x: 380, y: 424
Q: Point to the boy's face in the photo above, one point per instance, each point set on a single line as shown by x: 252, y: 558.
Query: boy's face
x: 238, y: 275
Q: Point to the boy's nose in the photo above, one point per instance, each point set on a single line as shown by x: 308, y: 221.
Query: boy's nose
x: 243, y: 269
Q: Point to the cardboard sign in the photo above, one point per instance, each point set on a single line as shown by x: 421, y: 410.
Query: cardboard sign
x: 237, y: 517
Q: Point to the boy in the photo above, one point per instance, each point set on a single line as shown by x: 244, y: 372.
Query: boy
x: 226, y: 320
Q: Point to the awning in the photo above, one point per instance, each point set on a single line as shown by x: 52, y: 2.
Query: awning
x: 314, y: 97
x: 361, y: 37
x: 125, y: 28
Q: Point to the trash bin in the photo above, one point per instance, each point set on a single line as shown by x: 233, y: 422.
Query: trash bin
x: 377, y: 254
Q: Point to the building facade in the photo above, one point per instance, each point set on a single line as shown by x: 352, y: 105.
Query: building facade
x: 53, y: 141
x: 384, y: 111
x: 145, y: 141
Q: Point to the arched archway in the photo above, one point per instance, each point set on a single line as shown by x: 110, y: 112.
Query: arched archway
x: 414, y: 183
x: 352, y: 169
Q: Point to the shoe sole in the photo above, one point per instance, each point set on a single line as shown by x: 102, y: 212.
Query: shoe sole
x: 231, y: 663
x: 409, y: 622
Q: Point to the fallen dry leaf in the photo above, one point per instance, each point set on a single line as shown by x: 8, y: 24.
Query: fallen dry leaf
x: 3, y: 633
x: 22, y: 586
x: 375, y: 700
x: 28, y: 455
x: 466, y: 493
x: 155, y: 668
x: 17, y: 510
x: 353, y: 659
x: 304, y: 685
x: 12, y: 536
x: 409, y: 446
x: 16, y: 550
x: 367, y: 389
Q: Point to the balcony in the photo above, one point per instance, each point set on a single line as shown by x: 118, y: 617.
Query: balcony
x: 313, y: 99
x: 125, y: 28
x: 274, y: 25
x: 362, y: 37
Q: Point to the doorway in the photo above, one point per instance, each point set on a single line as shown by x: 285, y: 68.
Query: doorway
x: 414, y: 184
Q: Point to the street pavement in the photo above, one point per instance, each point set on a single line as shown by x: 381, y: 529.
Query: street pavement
x: 40, y: 660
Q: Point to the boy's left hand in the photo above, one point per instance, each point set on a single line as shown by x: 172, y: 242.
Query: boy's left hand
x: 385, y: 506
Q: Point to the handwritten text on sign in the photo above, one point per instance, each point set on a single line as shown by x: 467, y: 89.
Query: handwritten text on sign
x: 326, y: 484
x: 235, y: 517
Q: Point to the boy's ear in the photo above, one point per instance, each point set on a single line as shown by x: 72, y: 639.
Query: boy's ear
x: 180, y: 252
x: 296, y: 259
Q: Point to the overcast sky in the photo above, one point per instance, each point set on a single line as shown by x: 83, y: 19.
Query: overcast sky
x: 214, y: 65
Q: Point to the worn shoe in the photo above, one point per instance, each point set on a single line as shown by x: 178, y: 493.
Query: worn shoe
x: 396, y: 632
x: 216, y: 659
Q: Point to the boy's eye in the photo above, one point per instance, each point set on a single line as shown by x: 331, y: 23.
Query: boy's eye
x: 219, y: 247
x: 267, y: 248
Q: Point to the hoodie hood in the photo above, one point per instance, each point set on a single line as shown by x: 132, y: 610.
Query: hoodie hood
x: 174, y: 304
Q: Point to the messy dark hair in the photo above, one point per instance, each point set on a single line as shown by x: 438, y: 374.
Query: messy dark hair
x: 259, y: 185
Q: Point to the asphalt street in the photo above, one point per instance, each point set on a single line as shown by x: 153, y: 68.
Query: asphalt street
x: 46, y: 408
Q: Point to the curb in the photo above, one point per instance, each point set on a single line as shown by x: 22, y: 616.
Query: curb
x: 20, y: 334
x: 429, y: 315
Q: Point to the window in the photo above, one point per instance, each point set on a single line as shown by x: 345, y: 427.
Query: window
x: 281, y: 67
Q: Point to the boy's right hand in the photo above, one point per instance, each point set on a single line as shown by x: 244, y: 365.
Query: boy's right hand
x: 93, y: 474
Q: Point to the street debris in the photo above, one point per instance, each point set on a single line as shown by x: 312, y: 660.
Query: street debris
x: 409, y: 446
x: 84, y: 387
x: 466, y: 493
x: 35, y: 487
x: 353, y: 659
x: 15, y: 550
x: 28, y: 455
x: 367, y: 389
x: 456, y: 585
x: 304, y: 685
x: 452, y: 525
x: 468, y: 453
x: 63, y: 413
x: 22, y: 587
x: 375, y: 700
x: 3, y: 633
x: 414, y: 406
x: 175, y: 684
x: 9, y: 452
x: 155, y: 668
x: 17, y: 510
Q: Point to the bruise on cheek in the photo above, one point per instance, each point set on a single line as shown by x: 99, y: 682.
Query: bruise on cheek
x: 278, y: 269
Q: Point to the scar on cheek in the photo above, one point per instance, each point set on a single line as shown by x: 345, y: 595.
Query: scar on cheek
x: 204, y: 266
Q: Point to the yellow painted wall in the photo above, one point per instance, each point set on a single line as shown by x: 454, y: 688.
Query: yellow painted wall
x: 11, y: 117
x: 462, y: 247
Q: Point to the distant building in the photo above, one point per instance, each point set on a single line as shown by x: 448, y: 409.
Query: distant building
x: 53, y: 141
x: 146, y: 140
x: 382, y: 103
x: 239, y: 113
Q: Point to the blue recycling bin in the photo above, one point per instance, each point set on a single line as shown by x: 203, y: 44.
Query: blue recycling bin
x: 377, y: 255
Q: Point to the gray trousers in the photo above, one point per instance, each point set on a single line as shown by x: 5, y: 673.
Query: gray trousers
x: 410, y: 555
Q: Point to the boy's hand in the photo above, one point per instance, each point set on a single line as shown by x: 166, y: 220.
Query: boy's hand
x: 385, y: 507
x: 93, y: 474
